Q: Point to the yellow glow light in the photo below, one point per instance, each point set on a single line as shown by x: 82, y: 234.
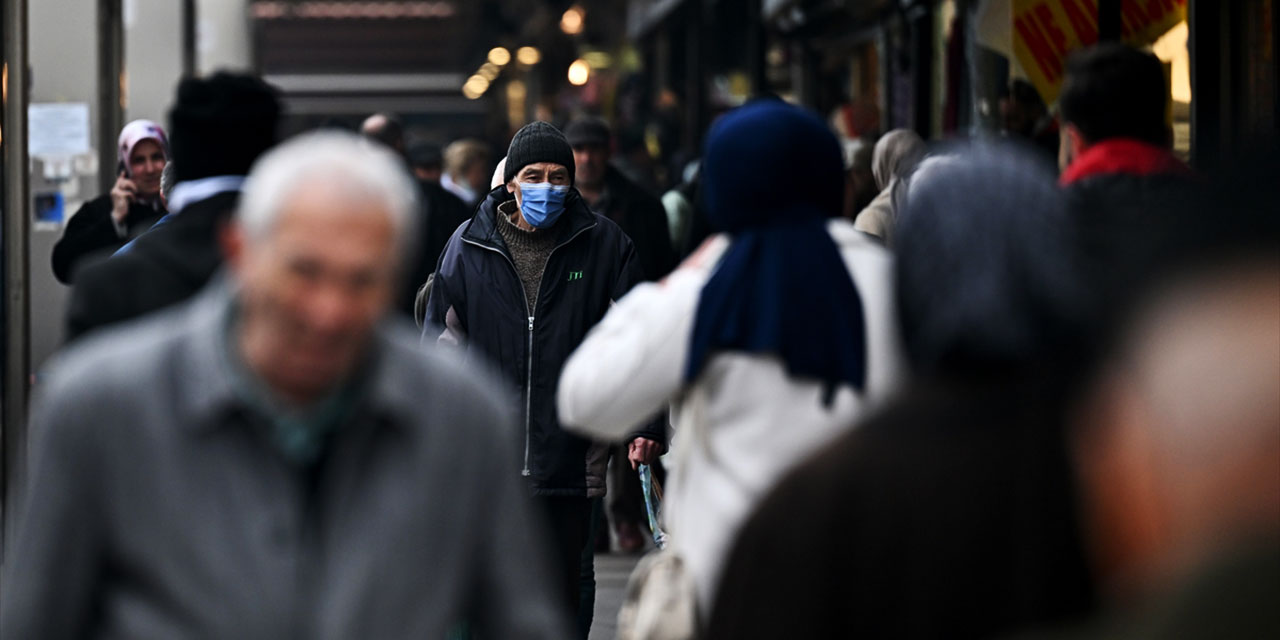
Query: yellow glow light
x: 579, y: 72
x: 489, y: 71
x: 571, y: 21
x: 499, y: 56
x: 528, y: 56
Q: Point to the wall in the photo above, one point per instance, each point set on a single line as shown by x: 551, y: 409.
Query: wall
x: 223, y: 38
x: 153, y: 57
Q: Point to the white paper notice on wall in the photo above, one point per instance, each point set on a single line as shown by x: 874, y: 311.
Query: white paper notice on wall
x: 58, y: 129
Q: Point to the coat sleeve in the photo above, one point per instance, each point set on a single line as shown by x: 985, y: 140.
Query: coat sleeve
x: 631, y: 365
x: 444, y: 323
x: 88, y: 231
x: 53, y: 563
x: 96, y: 298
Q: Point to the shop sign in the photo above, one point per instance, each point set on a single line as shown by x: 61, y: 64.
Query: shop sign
x: 1046, y: 31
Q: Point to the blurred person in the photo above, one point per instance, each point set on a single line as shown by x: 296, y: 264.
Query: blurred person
x: 106, y: 223
x: 952, y: 512
x: 1125, y: 185
x: 427, y: 162
x: 1024, y: 117
x: 466, y: 168
x: 424, y: 292
x: 1180, y: 452
x: 220, y: 125
x: 633, y: 159
x: 275, y: 458
x: 520, y: 284
x: 440, y: 212
x: 611, y: 194
x: 861, y: 183
x: 686, y: 214
x: 894, y: 157
x: 767, y: 342
x: 386, y: 128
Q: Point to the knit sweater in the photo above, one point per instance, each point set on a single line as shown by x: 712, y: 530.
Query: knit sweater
x: 529, y: 251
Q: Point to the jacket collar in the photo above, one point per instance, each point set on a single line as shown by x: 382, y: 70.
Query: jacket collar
x: 483, y: 229
x: 185, y: 193
x: 1124, y: 156
x: 207, y: 393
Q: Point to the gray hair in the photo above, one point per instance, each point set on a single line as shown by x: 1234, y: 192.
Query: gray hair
x: 364, y: 170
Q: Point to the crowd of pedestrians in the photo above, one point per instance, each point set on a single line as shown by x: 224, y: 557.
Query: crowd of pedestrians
x: 892, y: 389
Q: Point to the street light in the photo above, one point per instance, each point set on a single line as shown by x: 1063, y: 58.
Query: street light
x: 579, y: 72
x: 499, y: 56
x: 528, y: 56
x: 571, y: 21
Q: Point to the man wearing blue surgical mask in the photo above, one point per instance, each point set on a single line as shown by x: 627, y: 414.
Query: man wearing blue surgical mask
x: 520, y: 285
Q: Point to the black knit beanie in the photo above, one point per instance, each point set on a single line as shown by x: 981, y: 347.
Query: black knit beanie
x: 537, y: 142
x: 220, y: 125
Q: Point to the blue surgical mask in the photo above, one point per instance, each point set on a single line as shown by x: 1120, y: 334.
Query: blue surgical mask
x: 541, y: 204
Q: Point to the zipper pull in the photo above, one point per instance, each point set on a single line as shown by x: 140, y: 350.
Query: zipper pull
x: 531, y: 323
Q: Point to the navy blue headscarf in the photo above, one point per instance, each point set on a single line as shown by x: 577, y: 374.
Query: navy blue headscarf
x: 772, y: 176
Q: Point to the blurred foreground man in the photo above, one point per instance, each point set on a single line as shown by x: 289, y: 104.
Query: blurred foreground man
x: 1180, y: 460
x: 272, y: 460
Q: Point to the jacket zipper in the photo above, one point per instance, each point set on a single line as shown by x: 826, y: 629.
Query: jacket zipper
x: 528, y: 376
x: 528, y: 392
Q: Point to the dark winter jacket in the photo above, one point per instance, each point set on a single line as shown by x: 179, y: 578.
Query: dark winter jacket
x: 644, y: 220
x: 950, y: 515
x: 1128, y: 203
x: 164, y: 266
x: 442, y: 213
x: 91, y: 231
x: 478, y: 303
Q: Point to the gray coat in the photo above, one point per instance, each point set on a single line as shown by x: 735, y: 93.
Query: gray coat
x: 153, y: 509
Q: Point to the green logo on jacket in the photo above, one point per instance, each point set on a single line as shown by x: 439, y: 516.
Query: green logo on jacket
x: 575, y: 275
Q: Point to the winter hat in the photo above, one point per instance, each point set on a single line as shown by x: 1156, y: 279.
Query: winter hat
x: 136, y: 132
x: 586, y: 131
x: 221, y: 125
x: 538, y: 142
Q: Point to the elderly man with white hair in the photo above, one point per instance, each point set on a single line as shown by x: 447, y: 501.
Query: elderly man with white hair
x: 274, y: 459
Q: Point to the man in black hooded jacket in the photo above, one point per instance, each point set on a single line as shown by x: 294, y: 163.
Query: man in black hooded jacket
x: 219, y: 126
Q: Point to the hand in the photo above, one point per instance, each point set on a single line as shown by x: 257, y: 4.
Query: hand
x: 122, y: 195
x: 643, y: 451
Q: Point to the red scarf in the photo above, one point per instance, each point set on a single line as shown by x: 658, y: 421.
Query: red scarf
x: 1125, y: 156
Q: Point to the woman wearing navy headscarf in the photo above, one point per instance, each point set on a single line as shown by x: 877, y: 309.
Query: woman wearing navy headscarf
x: 772, y: 338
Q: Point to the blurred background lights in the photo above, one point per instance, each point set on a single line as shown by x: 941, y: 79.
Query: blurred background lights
x: 528, y: 56
x: 571, y: 21
x: 499, y: 56
x: 475, y: 86
x: 579, y: 72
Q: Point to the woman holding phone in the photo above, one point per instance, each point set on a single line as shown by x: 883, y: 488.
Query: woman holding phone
x: 106, y: 223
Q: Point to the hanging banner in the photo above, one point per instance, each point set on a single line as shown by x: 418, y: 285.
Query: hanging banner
x: 1046, y: 31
